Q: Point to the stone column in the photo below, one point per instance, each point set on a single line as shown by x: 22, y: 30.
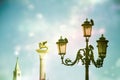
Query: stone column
x: 42, y: 68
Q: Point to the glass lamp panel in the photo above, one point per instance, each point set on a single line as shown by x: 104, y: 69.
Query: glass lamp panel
x: 102, y: 49
x: 62, y: 48
x: 104, y: 46
x: 87, y: 31
x: 58, y: 48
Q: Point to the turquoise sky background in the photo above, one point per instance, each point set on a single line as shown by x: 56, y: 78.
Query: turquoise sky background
x: 25, y: 23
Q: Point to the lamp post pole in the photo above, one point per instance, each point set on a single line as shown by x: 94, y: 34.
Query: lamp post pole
x: 87, y: 61
x: 85, y: 55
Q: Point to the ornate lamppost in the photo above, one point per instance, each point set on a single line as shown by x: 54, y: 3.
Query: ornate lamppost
x: 42, y: 52
x: 88, y: 56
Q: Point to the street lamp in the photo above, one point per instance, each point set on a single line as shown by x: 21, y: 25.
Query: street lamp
x: 102, y: 46
x: 62, y: 43
x: 86, y: 54
x: 87, y: 28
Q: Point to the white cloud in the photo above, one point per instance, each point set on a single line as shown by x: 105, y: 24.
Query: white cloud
x: 34, y: 26
x: 39, y: 16
x: 91, y: 2
x: 31, y: 6
x: 118, y: 78
x: 93, y: 76
x: 31, y: 34
x: 16, y: 53
x: 17, y: 50
x: 77, y: 14
x: 96, y: 1
x: 106, y: 72
x: 74, y: 15
x: 118, y: 63
x: 102, y: 31
x: 26, y: 77
x: 98, y: 31
x: 30, y: 47
x: 115, y: 7
x: 63, y: 27
x: 26, y: 1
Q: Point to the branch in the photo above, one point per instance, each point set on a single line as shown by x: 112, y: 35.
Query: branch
x: 97, y: 63
x: 69, y: 62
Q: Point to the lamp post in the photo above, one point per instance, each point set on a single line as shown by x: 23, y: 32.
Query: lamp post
x: 42, y: 52
x: 86, y: 54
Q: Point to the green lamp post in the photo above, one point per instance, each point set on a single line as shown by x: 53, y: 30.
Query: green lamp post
x: 88, y: 55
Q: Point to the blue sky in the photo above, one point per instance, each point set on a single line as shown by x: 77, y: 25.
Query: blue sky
x: 25, y: 23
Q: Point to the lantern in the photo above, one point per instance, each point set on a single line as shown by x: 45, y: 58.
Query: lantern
x: 87, y: 27
x: 102, y: 46
x: 62, y: 46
